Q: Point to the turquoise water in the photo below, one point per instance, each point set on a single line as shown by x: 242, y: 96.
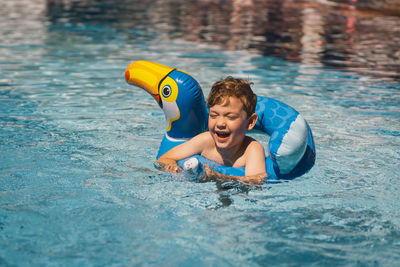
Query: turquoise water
x: 77, y: 183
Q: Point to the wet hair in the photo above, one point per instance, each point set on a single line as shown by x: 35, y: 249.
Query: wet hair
x: 230, y: 86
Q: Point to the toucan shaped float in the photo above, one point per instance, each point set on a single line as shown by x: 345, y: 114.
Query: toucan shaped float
x: 291, y: 149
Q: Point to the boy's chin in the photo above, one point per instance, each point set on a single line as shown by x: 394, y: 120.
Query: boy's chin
x: 221, y: 141
x: 223, y: 144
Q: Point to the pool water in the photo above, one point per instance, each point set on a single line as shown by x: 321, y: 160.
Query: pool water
x: 77, y: 145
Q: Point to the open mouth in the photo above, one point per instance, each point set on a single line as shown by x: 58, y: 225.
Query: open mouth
x: 222, y: 135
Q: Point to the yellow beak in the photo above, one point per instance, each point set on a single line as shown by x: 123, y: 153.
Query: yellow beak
x: 147, y: 75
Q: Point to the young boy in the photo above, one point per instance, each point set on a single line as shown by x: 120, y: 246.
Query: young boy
x: 232, y: 104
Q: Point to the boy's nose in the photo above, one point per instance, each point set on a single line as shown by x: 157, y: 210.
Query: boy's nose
x: 221, y: 123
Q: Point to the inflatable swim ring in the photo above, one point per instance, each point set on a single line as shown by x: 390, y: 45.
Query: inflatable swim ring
x: 291, y: 149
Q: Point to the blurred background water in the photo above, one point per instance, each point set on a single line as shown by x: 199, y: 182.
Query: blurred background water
x: 77, y: 185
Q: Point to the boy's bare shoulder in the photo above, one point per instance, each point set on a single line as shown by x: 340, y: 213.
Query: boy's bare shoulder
x: 253, y: 145
x: 203, y: 139
x: 205, y: 136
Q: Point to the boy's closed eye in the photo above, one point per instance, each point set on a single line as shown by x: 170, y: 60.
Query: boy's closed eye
x: 230, y: 116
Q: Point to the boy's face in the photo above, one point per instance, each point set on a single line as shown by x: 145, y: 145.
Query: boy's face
x: 228, y: 123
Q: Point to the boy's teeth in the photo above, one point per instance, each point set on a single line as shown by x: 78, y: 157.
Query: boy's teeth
x: 223, y: 134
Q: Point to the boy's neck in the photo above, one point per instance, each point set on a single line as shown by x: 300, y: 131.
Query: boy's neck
x: 231, y: 154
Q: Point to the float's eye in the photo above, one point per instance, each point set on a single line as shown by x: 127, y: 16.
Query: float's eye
x: 166, y: 91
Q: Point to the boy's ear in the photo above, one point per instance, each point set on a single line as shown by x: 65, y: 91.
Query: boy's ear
x: 252, y: 121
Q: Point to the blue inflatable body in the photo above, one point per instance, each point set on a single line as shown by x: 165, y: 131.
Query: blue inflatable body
x: 291, y: 149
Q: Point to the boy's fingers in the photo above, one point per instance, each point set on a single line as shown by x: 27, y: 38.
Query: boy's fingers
x: 207, y: 169
x: 208, y: 174
x: 167, y: 167
x: 175, y: 168
x: 158, y: 165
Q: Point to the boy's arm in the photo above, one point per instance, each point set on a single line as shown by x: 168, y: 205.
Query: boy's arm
x: 167, y: 162
x: 255, y: 170
x: 255, y: 160
x: 211, y: 175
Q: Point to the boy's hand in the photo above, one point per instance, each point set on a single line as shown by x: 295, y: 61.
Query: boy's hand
x: 171, y: 167
x: 208, y: 174
x: 211, y: 175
